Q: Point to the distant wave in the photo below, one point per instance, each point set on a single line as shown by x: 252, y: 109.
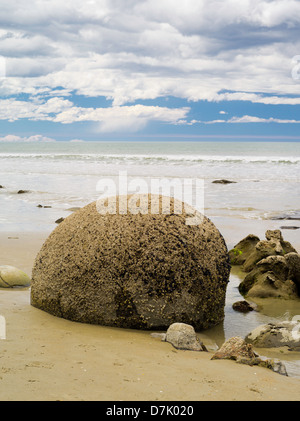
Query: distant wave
x: 148, y: 158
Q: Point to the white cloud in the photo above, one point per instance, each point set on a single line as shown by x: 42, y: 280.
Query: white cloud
x: 128, y: 118
x: 253, y: 119
x: 34, y: 138
x: 114, y: 118
x: 242, y: 119
x: 214, y: 50
x: 248, y: 119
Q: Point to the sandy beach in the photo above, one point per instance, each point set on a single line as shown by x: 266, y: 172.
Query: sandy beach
x: 45, y: 358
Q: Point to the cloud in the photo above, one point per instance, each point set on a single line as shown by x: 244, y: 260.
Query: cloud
x: 253, y: 119
x: 34, y: 138
x: 212, y: 50
x: 247, y: 119
x: 116, y: 118
x: 243, y: 119
x: 128, y: 118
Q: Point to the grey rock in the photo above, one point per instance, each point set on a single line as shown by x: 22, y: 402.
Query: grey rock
x: 183, y: 336
x: 11, y: 276
x: 273, y: 335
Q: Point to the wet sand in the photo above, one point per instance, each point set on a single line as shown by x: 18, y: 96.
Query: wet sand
x: 45, y: 358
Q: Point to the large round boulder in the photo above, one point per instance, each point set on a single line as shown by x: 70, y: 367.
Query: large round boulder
x: 133, y: 270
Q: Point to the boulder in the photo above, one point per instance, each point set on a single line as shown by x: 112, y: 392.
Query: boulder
x: 134, y: 270
x: 183, y: 336
x: 249, y: 251
x: 273, y: 335
x: 11, y: 276
x: 272, y: 266
x: 243, y: 306
x: 274, y: 276
x: 235, y: 348
x: 239, y: 350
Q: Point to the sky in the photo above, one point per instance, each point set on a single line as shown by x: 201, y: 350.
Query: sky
x: 149, y: 69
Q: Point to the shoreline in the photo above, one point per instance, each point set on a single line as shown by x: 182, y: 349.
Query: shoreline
x: 47, y: 358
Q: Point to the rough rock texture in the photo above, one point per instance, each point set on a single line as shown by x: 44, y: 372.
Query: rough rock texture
x: 251, y: 249
x: 272, y: 266
x: 242, y: 250
x: 272, y: 277
x: 293, y: 263
x: 183, y: 336
x: 274, y: 335
x: 234, y: 349
x: 142, y: 271
x: 11, y: 277
x: 238, y: 350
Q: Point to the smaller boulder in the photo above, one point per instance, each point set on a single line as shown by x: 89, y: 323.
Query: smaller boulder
x: 223, y: 182
x: 274, y: 276
x: 11, y: 277
x: 183, y: 336
x: 243, y: 306
x: 235, y: 349
x: 59, y: 220
x: 249, y: 251
x: 23, y: 191
x: 273, y: 335
x: 238, y: 350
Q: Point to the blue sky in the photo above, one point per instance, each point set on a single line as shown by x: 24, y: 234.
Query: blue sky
x: 149, y: 69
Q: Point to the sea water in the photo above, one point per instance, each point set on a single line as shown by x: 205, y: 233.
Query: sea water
x: 65, y: 175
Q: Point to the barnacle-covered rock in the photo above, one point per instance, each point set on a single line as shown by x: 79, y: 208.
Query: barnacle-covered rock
x: 142, y: 270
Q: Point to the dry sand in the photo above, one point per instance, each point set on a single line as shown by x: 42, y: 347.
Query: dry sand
x: 44, y: 358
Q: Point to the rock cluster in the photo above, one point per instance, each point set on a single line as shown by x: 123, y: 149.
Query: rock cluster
x: 141, y: 270
x: 273, y: 335
x: 237, y: 349
x: 272, y: 266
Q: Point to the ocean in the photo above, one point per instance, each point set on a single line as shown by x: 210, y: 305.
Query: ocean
x: 64, y: 175
x: 264, y: 194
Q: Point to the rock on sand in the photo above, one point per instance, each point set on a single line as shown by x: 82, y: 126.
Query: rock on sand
x: 142, y: 270
x: 11, y: 276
